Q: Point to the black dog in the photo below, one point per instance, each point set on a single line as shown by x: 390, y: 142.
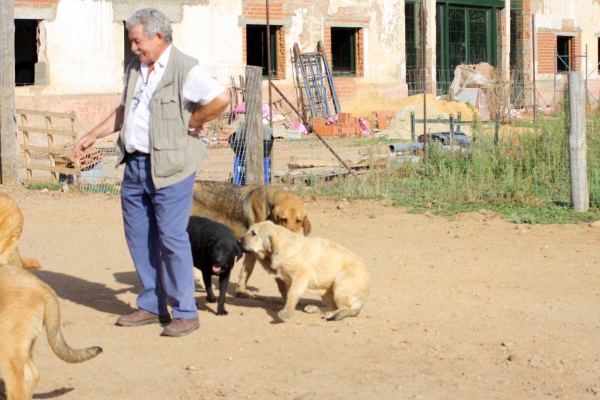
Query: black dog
x: 214, y: 250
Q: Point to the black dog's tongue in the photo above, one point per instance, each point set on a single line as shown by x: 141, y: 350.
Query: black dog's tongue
x: 216, y: 269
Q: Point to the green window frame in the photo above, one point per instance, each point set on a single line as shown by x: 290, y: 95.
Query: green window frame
x: 466, y: 32
x: 343, y: 51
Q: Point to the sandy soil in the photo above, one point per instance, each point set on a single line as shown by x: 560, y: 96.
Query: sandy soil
x: 470, y: 308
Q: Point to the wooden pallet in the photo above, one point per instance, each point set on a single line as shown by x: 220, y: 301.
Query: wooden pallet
x: 28, y: 128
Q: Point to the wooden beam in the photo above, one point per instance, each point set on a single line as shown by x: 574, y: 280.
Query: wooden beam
x: 254, y: 127
x: 65, y: 115
x: 44, y: 149
x: 33, y: 129
x: 68, y: 171
x: 9, y: 173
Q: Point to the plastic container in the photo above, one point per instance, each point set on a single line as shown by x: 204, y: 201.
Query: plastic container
x: 239, y: 170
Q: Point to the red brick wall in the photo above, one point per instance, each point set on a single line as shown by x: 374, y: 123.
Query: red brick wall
x: 360, y: 54
x: 254, y: 9
x: 257, y: 10
x: 546, y: 46
x: 546, y: 49
x: 281, y: 54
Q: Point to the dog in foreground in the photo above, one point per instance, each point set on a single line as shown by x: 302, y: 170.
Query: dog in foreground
x: 11, y: 228
x: 238, y: 207
x: 214, y: 250
x: 316, y: 264
x: 27, y: 305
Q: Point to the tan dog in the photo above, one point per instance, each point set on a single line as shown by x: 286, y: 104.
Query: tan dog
x: 238, y: 207
x: 11, y: 228
x: 27, y: 305
x: 317, y: 264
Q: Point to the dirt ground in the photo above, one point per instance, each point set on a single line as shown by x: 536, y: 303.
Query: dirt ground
x: 474, y: 307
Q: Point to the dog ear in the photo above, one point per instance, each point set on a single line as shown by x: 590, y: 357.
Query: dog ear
x: 270, y: 242
x: 306, y: 226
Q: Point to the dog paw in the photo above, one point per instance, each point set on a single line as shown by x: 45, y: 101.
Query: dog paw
x: 312, y: 309
x: 222, y: 312
x: 212, y: 299
x: 283, y: 314
x: 243, y: 294
x: 329, y: 314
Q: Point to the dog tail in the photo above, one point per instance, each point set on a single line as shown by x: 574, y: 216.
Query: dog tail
x: 356, y: 304
x: 30, y: 263
x: 55, y: 337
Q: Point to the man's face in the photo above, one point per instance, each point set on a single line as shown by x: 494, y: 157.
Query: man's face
x: 147, y: 49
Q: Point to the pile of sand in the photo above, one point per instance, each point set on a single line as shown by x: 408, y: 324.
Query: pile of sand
x: 441, y: 106
x: 399, y: 127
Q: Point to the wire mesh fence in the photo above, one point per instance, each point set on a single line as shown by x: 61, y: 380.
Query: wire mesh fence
x: 522, y: 160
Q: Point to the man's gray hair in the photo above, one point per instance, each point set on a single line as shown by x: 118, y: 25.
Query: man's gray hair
x: 153, y: 22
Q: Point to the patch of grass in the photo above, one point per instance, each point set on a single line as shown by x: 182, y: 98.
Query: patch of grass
x: 42, y: 185
x: 520, y: 214
x: 525, y: 178
x: 105, y: 188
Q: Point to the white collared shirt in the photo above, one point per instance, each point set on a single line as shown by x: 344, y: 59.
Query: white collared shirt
x: 199, y: 87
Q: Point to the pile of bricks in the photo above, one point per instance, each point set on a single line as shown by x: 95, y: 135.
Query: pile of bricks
x: 92, y: 156
x: 382, y: 119
x: 346, y: 126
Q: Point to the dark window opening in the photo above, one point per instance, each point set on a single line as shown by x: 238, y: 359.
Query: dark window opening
x: 414, y: 58
x: 25, y: 51
x: 343, y: 51
x: 563, y: 54
x: 128, y: 54
x: 516, y: 40
x: 516, y: 60
x: 256, y: 47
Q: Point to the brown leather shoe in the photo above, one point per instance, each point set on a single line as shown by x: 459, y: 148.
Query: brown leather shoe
x: 181, y: 327
x: 142, y: 317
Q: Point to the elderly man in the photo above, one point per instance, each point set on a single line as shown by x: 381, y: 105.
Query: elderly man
x: 167, y: 99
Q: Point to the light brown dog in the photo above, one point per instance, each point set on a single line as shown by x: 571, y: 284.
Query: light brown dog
x: 27, y: 305
x: 238, y: 207
x: 11, y: 228
x: 316, y: 264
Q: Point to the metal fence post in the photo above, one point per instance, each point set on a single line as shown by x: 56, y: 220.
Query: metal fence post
x: 413, y: 135
x: 451, y: 129
x: 497, y: 130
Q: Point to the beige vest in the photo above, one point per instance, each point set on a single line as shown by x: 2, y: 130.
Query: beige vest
x: 174, y: 154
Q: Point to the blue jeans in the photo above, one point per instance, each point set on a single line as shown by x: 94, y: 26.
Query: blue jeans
x: 156, y: 232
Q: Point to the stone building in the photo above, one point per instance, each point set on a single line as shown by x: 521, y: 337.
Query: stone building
x: 71, y: 54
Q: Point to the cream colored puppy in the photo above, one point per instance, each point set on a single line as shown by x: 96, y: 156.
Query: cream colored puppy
x: 315, y: 264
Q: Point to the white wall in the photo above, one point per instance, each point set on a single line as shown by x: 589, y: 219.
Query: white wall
x: 84, y: 49
x: 211, y: 33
